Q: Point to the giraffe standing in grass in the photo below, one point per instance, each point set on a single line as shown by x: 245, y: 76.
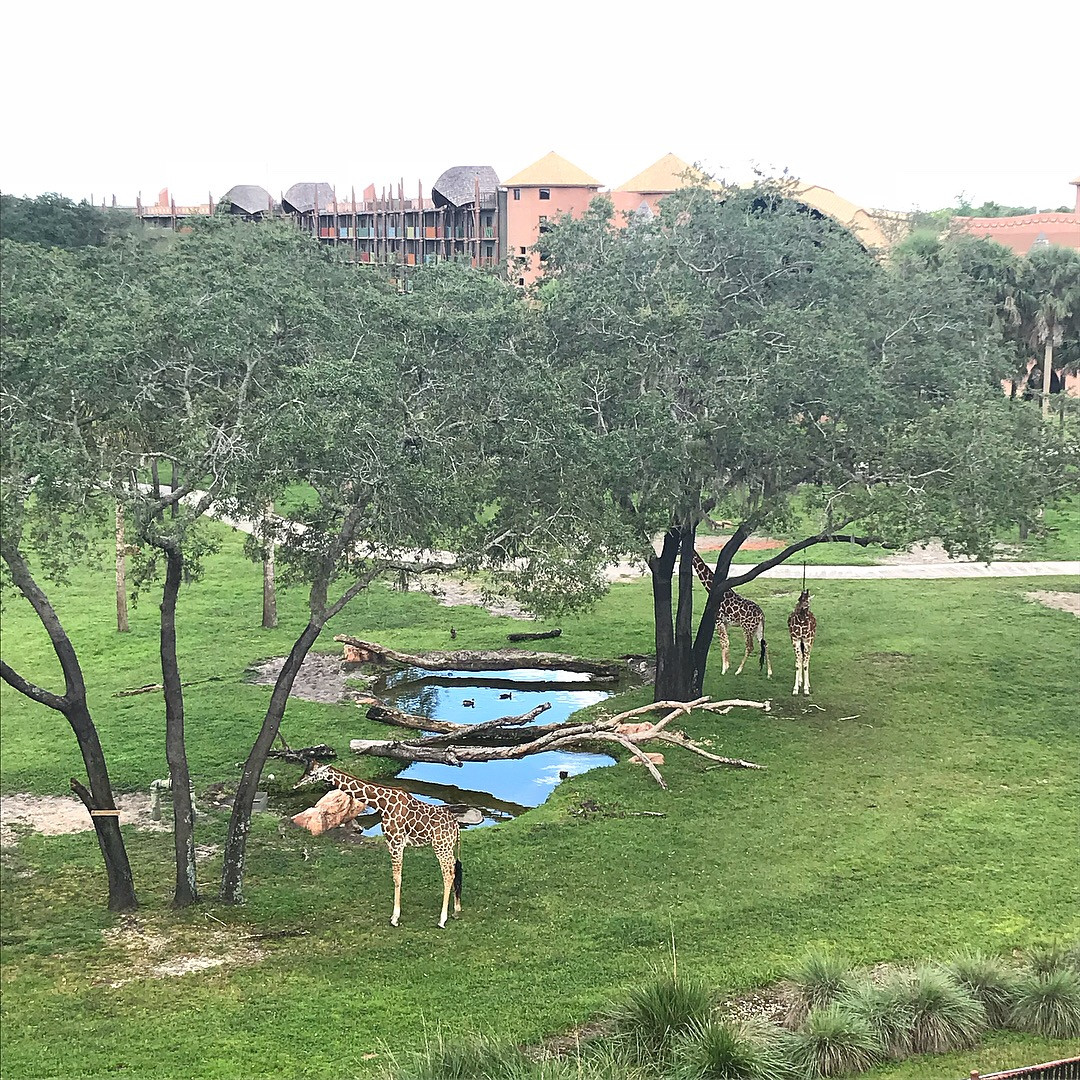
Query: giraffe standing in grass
x: 802, y: 626
x: 736, y: 610
x: 406, y: 822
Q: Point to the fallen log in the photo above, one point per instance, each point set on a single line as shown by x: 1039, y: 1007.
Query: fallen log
x: 487, y: 660
x: 304, y: 754
x: 150, y: 688
x: 535, y: 637
x: 456, y: 748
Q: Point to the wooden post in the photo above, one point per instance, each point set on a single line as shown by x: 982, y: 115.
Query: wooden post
x: 122, y: 626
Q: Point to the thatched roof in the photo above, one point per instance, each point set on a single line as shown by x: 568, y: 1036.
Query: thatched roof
x: 457, y: 186
x: 301, y: 198
x: 249, y: 199
x: 552, y: 171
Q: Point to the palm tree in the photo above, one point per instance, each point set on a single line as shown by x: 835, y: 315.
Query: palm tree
x: 1050, y: 307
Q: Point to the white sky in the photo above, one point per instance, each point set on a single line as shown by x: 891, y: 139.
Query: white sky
x: 891, y: 105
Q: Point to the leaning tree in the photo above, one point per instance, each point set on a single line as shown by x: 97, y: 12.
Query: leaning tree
x: 741, y: 357
x: 64, y: 329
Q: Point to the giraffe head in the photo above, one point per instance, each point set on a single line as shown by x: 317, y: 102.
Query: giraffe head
x: 804, y: 600
x: 315, y: 773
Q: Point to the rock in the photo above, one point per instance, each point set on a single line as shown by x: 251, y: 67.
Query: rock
x: 333, y: 809
x: 656, y: 759
x: 632, y: 729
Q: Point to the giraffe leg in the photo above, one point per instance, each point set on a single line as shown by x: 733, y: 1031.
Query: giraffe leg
x: 806, y: 669
x: 749, y: 649
x: 446, y: 862
x: 765, y: 649
x: 397, y: 851
x: 725, y: 650
x: 797, y: 646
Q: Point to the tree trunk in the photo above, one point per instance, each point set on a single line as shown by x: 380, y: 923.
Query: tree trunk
x: 74, y: 709
x: 232, y: 874
x: 175, y: 751
x: 671, y: 682
x: 122, y: 626
x: 269, y: 612
x: 1048, y: 368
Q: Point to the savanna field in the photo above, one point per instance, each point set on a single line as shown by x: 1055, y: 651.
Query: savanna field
x: 927, y: 802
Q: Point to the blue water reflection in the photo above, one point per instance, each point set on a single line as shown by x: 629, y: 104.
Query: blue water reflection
x: 497, y: 788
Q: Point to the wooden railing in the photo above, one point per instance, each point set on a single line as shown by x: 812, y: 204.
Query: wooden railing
x: 1065, y: 1069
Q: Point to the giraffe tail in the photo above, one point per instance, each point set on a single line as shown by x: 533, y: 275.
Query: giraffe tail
x: 764, y: 650
x: 457, y: 880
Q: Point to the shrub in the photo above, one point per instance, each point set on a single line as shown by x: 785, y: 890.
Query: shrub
x: 817, y: 980
x: 730, y: 1050
x: 834, y: 1042
x: 461, y: 1059
x: 888, y: 1011
x: 1045, y: 959
x: 945, y: 1015
x: 654, y: 1013
x: 989, y: 980
x: 1048, y: 1005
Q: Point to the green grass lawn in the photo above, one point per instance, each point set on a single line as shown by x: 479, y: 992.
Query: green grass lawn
x: 931, y: 802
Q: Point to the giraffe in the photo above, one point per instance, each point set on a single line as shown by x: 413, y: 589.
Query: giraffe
x: 736, y: 610
x: 406, y: 822
x: 802, y: 626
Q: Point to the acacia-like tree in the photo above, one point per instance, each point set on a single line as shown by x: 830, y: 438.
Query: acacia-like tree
x: 744, y: 358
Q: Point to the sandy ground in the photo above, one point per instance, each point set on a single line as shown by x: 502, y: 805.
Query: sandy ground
x: 1063, y: 601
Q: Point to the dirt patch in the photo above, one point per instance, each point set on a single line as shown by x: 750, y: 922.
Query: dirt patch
x: 1062, y: 601
x: 57, y: 815
x: 754, y: 543
x: 154, y: 953
x: 320, y: 678
x: 458, y: 593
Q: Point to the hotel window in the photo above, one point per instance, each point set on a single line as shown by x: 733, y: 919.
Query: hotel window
x: 517, y: 193
x: 545, y: 193
x: 524, y: 251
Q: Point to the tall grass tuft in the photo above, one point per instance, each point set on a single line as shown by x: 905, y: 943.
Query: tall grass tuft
x: 945, y: 1015
x: 887, y: 1009
x: 460, y: 1058
x: 1045, y: 959
x: 816, y: 981
x: 731, y: 1050
x: 834, y: 1042
x: 989, y: 980
x: 649, y: 1018
x: 1048, y: 1005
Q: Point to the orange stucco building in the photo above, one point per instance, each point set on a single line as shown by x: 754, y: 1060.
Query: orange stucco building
x: 1021, y: 234
x: 540, y: 193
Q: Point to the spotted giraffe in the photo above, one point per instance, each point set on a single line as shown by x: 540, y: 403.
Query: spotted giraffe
x: 406, y: 822
x: 802, y: 626
x: 736, y: 610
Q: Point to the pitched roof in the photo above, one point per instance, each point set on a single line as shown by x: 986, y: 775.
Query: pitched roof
x: 852, y: 217
x: 668, y: 174
x: 552, y: 171
x: 250, y: 198
x: 457, y: 185
x: 302, y: 197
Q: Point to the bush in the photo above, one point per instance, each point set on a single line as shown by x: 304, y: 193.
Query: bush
x: 653, y: 1014
x: 1048, y: 1005
x: 462, y: 1059
x: 834, y: 1042
x: 730, y: 1050
x: 945, y: 1015
x: 816, y: 981
x: 989, y: 980
x: 888, y: 1011
x: 1045, y: 959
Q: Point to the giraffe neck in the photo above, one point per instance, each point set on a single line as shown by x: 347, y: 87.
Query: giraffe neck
x: 371, y: 794
x: 702, y: 571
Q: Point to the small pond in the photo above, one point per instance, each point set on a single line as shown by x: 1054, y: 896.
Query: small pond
x: 498, y: 789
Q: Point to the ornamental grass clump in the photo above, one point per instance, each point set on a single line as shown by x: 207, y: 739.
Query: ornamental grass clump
x: 945, y: 1015
x: 731, y: 1050
x: 989, y: 979
x: 653, y: 1014
x: 1044, y: 959
x: 817, y: 980
x: 887, y: 1008
x: 1048, y: 1005
x: 460, y: 1058
x: 834, y: 1042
